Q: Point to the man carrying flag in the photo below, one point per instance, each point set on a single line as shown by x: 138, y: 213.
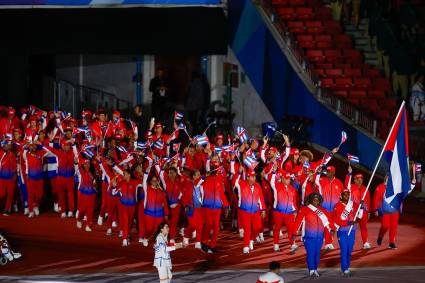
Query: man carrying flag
x: 389, y: 195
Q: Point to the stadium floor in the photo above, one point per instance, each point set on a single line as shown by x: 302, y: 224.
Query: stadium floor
x: 54, y: 246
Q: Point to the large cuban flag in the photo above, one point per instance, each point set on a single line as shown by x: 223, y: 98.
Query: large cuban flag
x: 396, y: 153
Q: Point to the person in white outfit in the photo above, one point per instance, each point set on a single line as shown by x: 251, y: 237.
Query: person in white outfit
x: 273, y: 275
x: 417, y: 99
x: 162, y: 260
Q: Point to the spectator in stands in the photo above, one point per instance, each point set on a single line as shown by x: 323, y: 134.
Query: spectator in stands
x: 141, y: 120
x: 417, y: 99
x: 195, y: 99
x: 385, y: 42
x: 160, y: 95
x: 273, y: 275
x: 402, y: 66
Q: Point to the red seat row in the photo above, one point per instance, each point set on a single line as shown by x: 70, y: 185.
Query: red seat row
x: 348, y: 72
x: 323, y: 41
x: 360, y: 93
x: 334, y: 55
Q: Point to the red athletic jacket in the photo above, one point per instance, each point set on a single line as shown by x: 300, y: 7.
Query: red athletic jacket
x: 213, y: 191
x: 331, y: 192
x: 251, y: 198
x: 155, y: 202
x: 357, y: 194
x: 8, y: 166
x: 285, y: 197
x: 313, y: 226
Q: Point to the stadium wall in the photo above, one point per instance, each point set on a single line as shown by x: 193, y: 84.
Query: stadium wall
x: 280, y: 87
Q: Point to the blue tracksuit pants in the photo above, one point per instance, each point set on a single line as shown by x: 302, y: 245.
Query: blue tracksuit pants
x: 346, y: 244
x: 313, y: 247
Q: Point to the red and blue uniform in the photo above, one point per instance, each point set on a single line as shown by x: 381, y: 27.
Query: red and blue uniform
x: 87, y: 196
x: 284, y: 208
x: 251, y: 202
x: 8, y: 170
x: 128, y: 198
x: 213, y: 201
x: 192, y: 200
x: 155, y: 206
x: 313, y: 231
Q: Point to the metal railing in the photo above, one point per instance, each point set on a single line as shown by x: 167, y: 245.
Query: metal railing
x: 75, y: 98
x: 343, y: 108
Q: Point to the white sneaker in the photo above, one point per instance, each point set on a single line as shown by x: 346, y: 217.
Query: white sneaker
x: 251, y: 245
x: 100, y: 221
x: 63, y: 214
x: 172, y: 241
x: 276, y: 247
x: 125, y: 243
x: 145, y: 242
x: 198, y: 245
x: 36, y: 211
x: 311, y: 273
x: 70, y: 214
x: 241, y: 233
x: 106, y: 215
x: 15, y: 208
x: 114, y: 224
x: 6, y: 252
x: 26, y: 211
x: 329, y: 247
x: 261, y: 236
x: 31, y: 215
x: 76, y: 214
x: 294, y: 248
x: 56, y: 207
x: 109, y: 232
x: 182, y: 232
x: 367, y: 246
x: 88, y: 229
x: 120, y: 234
x: 316, y: 273
x: 280, y: 234
x: 193, y: 234
x: 185, y: 241
x: 85, y: 218
x: 271, y: 233
x: 79, y: 224
x: 245, y: 250
x: 16, y: 255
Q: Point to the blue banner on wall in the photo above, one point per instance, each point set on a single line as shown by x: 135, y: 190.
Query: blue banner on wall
x: 109, y: 2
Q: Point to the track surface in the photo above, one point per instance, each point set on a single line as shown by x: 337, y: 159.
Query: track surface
x: 51, y: 245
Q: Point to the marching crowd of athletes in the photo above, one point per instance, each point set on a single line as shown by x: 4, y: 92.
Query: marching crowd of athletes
x: 146, y: 179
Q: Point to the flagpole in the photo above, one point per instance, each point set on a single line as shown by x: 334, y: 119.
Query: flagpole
x: 377, y: 163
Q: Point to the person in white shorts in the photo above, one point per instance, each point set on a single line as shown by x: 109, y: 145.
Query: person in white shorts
x: 273, y: 275
x: 162, y: 260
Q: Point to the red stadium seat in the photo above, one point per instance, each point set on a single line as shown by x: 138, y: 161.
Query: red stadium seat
x: 322, y: 65
x: 352, y: 72
x: 334, y: 72
x: 343, y: 83
x: 295, y: 26
x: 297, y: 2
x: 376, y: 93
x: 341, y: 93
x: 382, y: 84
x: 324, y: 13
x: 315, y: 55
x: 281, y: 2
x: 354, y: 101
x: 370, y: 103
x: 357, y: 93
x: 304, y: 13
x: 327, y: 83
x: 371, y: 72
x: 314, y: 27
x: 320, y: 72
x: 333, y: 55
x: 306, y: 41
x: 323, y: 41
x: 353, y: 55
x: 333, y: 27
x: 362, y: 83
x: 287, y: 13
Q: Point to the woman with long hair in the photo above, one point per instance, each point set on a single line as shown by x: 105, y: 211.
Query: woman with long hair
x: 162, y: 259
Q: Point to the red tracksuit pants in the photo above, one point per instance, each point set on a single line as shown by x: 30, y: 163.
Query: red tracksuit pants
x: 127, y: 219
x: 65, y: 191
x: 251, y: 225
x: 141, y: 219
x: 389, y: 222
x: 212, y: 223
x: 195, y: 224
x: 151, y: 225
x: 280, y: 219
x: 113, y: 209
x: 86, y: 205
x: 173, y: 220
x: 363, y: 226
x: 7, y: 190
x: 105, y: 195
x: 54, y: 184
x: 35, y: 193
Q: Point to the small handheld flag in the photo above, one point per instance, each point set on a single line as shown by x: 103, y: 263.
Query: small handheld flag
x: 202, y: 139
x: 353, y: 159
x: 121, y: 148
x: 270, y: 129
x: 178, y: 116
x: 344, y: 137
x: 418, y: 168
x: 241, y: 132
x: 176, y: 147
x: 250, y: 161
x: 141, y: 145
x: 159, y: 144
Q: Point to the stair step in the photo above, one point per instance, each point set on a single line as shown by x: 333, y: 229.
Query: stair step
x: 351, y: 27
x: 362, y: 40
x: 371, y: 62
x: 369, y: 55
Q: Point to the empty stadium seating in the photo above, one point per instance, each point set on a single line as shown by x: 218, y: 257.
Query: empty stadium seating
x: 331, y: 56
